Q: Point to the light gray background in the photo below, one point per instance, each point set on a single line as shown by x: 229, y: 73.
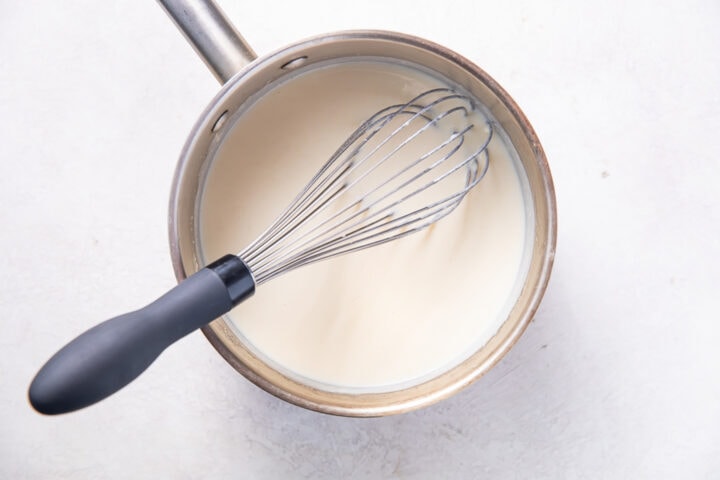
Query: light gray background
x: 617, y: 377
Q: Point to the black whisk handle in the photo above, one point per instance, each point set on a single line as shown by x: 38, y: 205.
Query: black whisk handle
x: 110, y: 355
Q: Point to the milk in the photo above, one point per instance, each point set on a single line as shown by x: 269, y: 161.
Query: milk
x: 386, y: 317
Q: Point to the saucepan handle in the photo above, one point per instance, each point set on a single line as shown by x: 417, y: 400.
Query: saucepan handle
x: 211, y: 34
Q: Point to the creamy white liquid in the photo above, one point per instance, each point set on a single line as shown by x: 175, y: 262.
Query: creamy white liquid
x: 391, y: 314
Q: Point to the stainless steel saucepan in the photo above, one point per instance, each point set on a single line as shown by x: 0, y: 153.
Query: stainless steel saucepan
x: 243, y: 75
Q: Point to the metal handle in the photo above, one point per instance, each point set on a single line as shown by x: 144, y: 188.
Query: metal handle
x: 211, y: 34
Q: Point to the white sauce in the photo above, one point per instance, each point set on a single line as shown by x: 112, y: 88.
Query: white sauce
x: 392, y: 314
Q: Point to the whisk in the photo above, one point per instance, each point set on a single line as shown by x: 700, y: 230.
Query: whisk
x: 383, y: 183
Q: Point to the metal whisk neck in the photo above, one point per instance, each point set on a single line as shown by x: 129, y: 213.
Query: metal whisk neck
x: 383, y: 183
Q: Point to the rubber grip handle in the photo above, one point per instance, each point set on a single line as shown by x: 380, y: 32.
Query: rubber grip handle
x: 110, y: 355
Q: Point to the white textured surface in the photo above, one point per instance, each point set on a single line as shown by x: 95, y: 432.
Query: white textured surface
x: 619, y: 375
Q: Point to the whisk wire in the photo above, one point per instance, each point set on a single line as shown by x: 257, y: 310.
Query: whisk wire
x: 335, y: 226
x: 352, y: 241
x: 341, y: 227
x: 295, y: 214
x: 304, y: 233
x: 378, y: 120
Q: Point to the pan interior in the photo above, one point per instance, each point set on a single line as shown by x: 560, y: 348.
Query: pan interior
x: 379, y: 320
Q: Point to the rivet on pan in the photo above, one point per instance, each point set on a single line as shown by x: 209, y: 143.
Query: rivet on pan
x: 219, y: 122
x: 295, y: 63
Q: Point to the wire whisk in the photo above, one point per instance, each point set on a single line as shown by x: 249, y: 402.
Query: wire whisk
x: 402, y: 170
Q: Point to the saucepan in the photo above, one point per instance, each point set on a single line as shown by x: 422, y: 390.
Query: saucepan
x: 243, y: 77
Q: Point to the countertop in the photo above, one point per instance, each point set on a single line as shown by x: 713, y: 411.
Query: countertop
x: 618, y: 376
